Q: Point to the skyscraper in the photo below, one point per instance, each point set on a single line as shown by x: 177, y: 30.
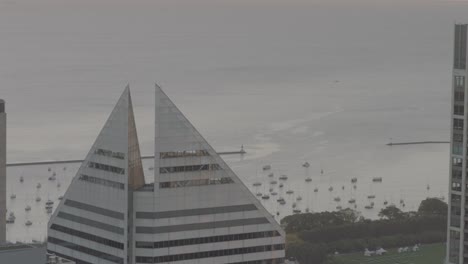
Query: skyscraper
x: 457, y: 252
x: 2, y: 172
x: 196, y: 210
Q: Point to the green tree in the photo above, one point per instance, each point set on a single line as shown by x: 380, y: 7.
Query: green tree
x: 350, y: 215
x: 309, y: 221
x: 433, y: 206
x: 391, y: 212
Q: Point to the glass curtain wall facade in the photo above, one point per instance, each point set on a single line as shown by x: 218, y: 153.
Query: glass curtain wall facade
x: 3, y: 157
x: 457, y: 251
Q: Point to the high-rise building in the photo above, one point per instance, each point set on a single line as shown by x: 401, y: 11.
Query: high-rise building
x: 457, y: 251
x: 2, y: 172
x: 196, y: 210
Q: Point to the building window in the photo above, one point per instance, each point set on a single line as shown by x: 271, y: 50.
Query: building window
x: 94, y: 209
x: 456, y: 186
x: 457, y: 162
x: 454, y: 246
x: 458, y: 109
x: 456, y: 200
x: 181, y: 154
x: 205, y: 240
x: 459, y: 96
x: 109, y: 153
x: 456, y: 174
x: 455, y: 217
x: 460, y: 47
x: 95, y: 180
x: 92, y: 223
x: 455, y: 214
x: 200, y: 182
x: 86, y: 250
x: 90, y: 237
x: 189, y: 168
x: 460, y: 81
x: 209, y: 254
x: 457, y: 148
x: 458, y: 124
x: 455, y: 208
x: 458, y: 137
x: 456, y: 211
x: 105, y: 167
x: 197, y: 211
x: 200, y: 226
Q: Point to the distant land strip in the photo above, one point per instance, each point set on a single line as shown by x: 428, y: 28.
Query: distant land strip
x: 417, y: 143
x: 50, y: 162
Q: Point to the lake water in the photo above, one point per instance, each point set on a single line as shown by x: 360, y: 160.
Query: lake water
x: 328, y: 82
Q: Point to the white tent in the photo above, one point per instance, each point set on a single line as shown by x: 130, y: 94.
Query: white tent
x: 380, y: 252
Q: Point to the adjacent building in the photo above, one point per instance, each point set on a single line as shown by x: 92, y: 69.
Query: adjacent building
x: 457, y: 248
x: 196, y: 210
x: 2, y: 172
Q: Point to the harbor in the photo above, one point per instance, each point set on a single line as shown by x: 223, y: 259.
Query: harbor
x: 303, y: 188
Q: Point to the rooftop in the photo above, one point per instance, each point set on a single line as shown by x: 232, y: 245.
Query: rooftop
x: 22, y: 253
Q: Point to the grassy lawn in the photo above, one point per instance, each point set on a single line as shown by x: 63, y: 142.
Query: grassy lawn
x: 428, y: 254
